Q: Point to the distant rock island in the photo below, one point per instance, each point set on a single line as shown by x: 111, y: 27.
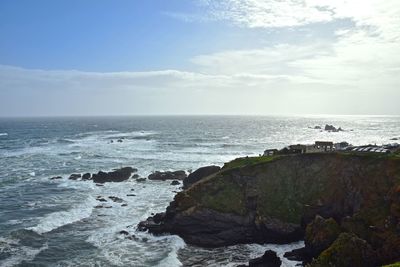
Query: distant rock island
x: 328, y: 128
x: 345, y: 205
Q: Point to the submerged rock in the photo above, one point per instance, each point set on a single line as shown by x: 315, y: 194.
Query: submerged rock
x: 175, y: 182
x: 55, y: 178
x: 162, y: 176
x: 199, y: 174
x: 116, y: 199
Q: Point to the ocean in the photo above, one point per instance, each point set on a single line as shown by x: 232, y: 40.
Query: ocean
x: 47, y: 222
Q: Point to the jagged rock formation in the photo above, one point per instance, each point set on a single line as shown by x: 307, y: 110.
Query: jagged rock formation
x: 168, y: 175
x: 199, y: 174
x: 273, y: 199
x: 118, y: 175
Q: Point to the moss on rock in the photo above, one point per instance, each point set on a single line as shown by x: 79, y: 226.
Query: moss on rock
x: 347, y: 251
x: 320, y: 234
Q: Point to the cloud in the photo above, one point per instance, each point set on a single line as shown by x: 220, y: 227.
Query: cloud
x: 70, y: 92
x: 354, y: 71
x: 378, y: 14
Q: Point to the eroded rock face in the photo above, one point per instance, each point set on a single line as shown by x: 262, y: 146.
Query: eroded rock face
x: 199, y: 174
x: 320, y: 234
x: 273, y: 199
x: 162, y: 176
x: 348, y: 250
x: 118, y: 175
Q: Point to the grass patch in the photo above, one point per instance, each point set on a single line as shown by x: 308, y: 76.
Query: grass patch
x: 249, y: 161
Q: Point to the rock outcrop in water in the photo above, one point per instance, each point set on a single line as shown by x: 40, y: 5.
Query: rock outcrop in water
x: 346, y: 205
x: 118, y: 175
x: 168, y: 175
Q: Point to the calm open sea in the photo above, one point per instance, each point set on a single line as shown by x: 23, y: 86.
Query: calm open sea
x: 54, y: 223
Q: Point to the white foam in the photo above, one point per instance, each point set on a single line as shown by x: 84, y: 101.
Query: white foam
x: 19, y: 253
x: 3, y: 134
x: 33, y: 174
x: 57, y: 219
x: 172, y: 258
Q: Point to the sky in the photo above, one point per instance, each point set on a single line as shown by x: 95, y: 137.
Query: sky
x: 175, y: 57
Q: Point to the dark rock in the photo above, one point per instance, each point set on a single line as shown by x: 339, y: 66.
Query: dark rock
x: 347, y: 251
x: 133, y: 237
x: 317, y: 127
x: 300, y: 254
x: 162, y: 176
x: 55, y: 178
x: 135, y: 176
x: 119, y: 141
x: 123, y: 232
x: 269, y: 259
x: 332, y: 128
x: 101, y: 199
x: 199, y: 174
x: 116, y: 199
x: 99, y: 184
x: 394, y: 139
x: 118, y: 175
x: 98, y: 207
x: 272, y: 200
x: 124, y: 205
x: 86, y: 176
x: 320, y: 234
x: 141, y: 180
x: 131, y: 195
x: 175, y: 182
x: 145, y: 239
x: 75, y: 176
x: 132, y: 189
x: 220, y: 229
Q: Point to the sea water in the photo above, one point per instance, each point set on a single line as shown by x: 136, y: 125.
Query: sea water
x: 47, y: 222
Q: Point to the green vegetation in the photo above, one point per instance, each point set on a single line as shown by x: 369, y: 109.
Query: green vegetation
x: 321, y: 233
x: 248, y: 161
x: 397, y: 264
x: 225, y: 196
x: 363, y: 188
x: 347, y: 251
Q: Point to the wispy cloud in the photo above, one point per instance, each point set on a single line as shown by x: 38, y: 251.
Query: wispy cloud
x: 358, y: 65
x: 383, y: 15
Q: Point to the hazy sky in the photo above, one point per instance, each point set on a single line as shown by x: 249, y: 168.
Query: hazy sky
x: 107, y: 57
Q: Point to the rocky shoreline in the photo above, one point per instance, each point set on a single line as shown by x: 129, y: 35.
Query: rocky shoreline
x: 345, y: 206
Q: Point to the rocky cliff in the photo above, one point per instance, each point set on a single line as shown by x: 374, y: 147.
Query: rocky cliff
x: 275, y: 199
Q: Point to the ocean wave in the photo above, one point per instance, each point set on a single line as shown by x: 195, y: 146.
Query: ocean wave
x: 58, y: 219
x: 65, y: 141
x: 3, y: 134
x: 15, y: 250
x: 177, y: 243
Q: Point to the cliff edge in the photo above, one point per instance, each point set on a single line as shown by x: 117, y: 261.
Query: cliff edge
x: 280, y: 199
